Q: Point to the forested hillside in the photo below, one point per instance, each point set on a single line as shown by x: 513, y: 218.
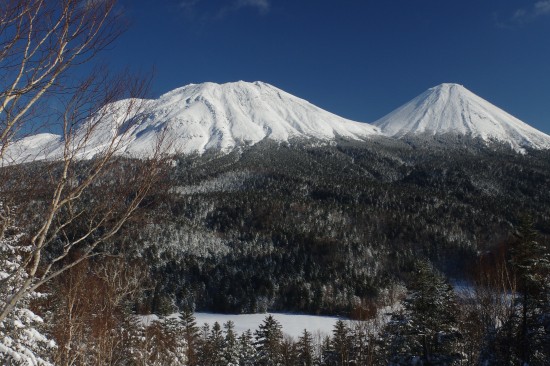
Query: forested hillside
x: 448, y: 236
x: 329, y: 228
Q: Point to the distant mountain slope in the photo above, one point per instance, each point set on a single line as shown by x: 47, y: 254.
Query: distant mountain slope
x: 453, y: 109
x: 309, y: 228
x: 199, y: 117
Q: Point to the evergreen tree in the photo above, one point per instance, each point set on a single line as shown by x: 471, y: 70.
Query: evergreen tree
x: 426, y: 330
x: 247, y: 351
x: 359, y: 344
x: 204, y: 347
x: 176, y: 346
x: 525, y: 338
x: 341, y: 343
x: 269, y: 337
x: 135, y: 340
x: 190, y: 335
x: 289, y: 355
x: 160, y: 344
x: 231, y: 346
x: 216, y: 343
x: 21, y: 339
x: 326, y: 357
x: 305, y: 349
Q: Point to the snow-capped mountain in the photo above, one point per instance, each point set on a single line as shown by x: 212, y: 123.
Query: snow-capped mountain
x: 199, y: 117
x: 453, y: 109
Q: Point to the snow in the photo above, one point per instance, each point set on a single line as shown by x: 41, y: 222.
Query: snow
x: 197, y: 118
x: 453, y: 109
x: 41, y: 146
x: 221, y: 117
x: 20, y: 340
x: 293, y: 324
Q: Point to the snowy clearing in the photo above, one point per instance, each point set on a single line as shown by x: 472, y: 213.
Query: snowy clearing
x: 293, y: 324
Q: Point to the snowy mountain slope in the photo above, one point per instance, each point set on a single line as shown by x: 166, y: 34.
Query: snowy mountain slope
x: 220, y: 117
x: 453, y: 109
x: 200, y: 117
x: 35, y: 147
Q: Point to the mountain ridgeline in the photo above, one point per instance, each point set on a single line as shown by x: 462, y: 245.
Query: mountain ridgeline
x: 279, y: 205
x: 209, y: 117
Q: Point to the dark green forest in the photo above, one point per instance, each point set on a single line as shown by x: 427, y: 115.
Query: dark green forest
x: 330, y: 228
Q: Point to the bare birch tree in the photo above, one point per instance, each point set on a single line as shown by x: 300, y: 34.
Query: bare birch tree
x: 79, y: 200
x: 40, y: 42
x: 91, y: 326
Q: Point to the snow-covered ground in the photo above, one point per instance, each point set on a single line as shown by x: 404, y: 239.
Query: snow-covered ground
x: 293, y: 324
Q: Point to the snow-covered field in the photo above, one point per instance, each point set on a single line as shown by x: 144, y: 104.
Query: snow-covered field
x: 293, y: 324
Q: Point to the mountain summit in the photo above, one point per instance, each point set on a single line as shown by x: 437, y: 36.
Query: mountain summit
x: 453, y: 109
x: 220, y: 117
x: 208, y: 116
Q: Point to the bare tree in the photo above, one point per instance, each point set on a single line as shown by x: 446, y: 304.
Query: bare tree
x: 486, y: 304
x: 91, y: 325
x: 40, y: 41
x: 81, y: 198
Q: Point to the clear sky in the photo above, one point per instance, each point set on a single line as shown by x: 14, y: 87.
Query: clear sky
x: 356, y: 58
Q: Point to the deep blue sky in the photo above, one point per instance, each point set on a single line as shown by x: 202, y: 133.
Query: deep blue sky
x: 356, y: 58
